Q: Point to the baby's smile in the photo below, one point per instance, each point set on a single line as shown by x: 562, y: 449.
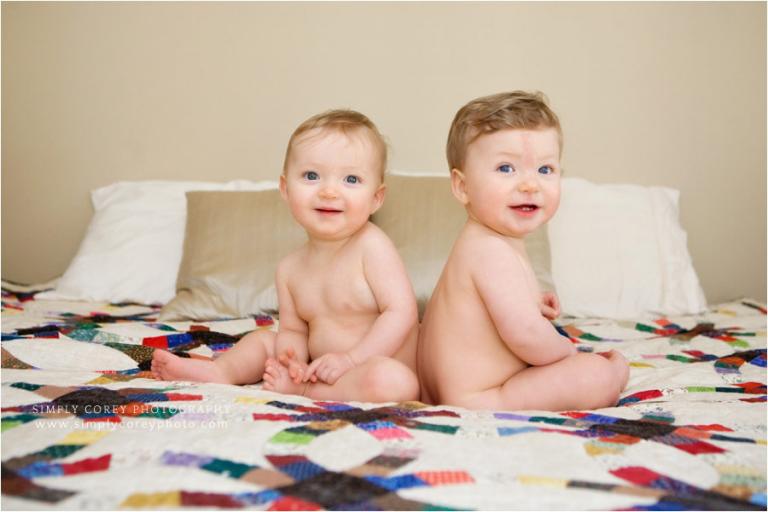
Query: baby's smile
x: 525, y: 209
x: 328, y: 211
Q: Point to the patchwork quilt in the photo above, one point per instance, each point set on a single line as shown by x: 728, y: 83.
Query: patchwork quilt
x: 84, y: 425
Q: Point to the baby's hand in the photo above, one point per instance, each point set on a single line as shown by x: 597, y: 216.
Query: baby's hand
x: 549, y: 305
x: 329, y: 367
x: 296, y: 369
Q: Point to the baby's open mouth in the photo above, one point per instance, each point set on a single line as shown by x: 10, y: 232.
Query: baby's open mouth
x: 525, y: 207
x: 327, y: 210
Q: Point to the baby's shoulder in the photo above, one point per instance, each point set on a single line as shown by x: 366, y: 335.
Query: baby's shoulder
x: 290, y: 262
x: 485, y: 251
x: 372, y: 237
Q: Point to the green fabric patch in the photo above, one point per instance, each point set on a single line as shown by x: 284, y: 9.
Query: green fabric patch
x: 10, y: 422
x: 227, y: 468
x: 444, y: 429
x: 26, y: 386
x: 162, y: 413
x: 681, y: 359
x: 645, y: 328
x: 59, y: 451
x: 286, y: 437
x: 82, y: 334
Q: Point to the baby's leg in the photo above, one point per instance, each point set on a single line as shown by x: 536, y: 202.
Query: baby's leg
x: 242, y: 364
x: 380, y: 379
x: 582, y: 381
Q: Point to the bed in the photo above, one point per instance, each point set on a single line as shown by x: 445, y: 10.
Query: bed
x: 84, y: 425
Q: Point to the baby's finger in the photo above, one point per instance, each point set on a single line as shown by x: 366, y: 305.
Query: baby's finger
x: 548, y: 312
x: 311, y: 370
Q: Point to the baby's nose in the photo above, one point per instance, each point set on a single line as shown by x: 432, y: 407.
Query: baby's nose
x: 328, y: 191
x: 528, y: 183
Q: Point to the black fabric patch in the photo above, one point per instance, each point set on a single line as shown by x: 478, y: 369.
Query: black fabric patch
x: 332, y: 490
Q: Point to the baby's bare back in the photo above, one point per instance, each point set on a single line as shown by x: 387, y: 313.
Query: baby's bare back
x: 460, y: 349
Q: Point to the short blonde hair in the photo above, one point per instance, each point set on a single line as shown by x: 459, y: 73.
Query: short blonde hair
x: 516, y: 110
x: 344, y: 121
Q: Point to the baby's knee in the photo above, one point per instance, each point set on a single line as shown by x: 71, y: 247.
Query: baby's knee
x: 260, y: 339
x: 607, y: 379
x: 388, y: 380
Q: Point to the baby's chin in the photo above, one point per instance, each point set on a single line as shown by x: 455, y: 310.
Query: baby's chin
x: 333, y: 235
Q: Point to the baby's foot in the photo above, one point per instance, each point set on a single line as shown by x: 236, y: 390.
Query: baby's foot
x: 277, y: 379
x: 167, y: 366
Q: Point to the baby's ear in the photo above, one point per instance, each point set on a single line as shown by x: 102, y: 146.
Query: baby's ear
x: 459, y: 186
x: 378, y: 197
x: 283, y: 187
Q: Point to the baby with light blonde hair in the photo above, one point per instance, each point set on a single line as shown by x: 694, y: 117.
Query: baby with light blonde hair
x: 348, y: 319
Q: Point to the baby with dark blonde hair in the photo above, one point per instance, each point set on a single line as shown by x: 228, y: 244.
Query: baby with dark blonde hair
x: 486, y: 340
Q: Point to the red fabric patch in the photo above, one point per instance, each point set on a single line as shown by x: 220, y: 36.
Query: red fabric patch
x: 284, y: 460
x: 574, y: 414
x: 261, y: 322
x: 645, y: 395
x: 273, y: 417
x: 291, y: 503
x: 133, y: 409
x: 195, y: 328
x: 636, y: 474
x: 181, y: 397
x: 204, y: 499
x: 444, y: 477
x: 714, y: 426
x: 752, y: 387
x: 699, y: 447
x: 87, y: 465
x: 156, y: 342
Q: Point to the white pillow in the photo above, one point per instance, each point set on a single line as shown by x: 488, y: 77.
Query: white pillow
x: 618, y: 251
x: 133, y: 246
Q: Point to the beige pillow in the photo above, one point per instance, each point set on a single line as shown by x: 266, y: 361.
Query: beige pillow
x: 233, y: 242
x: 423, y: 219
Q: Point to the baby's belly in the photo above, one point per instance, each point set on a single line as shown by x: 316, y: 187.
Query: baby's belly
x: 326, y: 335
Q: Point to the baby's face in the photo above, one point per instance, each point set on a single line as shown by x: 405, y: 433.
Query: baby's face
x: 512, y: 179
x: 332, y: 182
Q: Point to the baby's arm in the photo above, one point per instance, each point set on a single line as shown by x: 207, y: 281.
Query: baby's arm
x: 500, y: 278
x: 388, y: 279
x: 292, y: 335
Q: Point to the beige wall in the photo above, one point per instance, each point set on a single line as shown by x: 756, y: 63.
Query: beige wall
x: 669, y: 94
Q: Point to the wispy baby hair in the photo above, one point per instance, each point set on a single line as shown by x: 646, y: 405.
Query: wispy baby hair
x: 519, y: 110
x: 344, y: 121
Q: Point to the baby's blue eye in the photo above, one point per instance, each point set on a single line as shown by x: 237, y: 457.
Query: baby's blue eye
x: 545, y: 169
x: 352, y: 179
x: 310, y: 176
x: 506, y: 168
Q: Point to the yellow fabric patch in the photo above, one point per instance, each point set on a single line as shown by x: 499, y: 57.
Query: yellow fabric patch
x: 597, y: 449
x: 251, y: 400
x: 159, y: 499
x: 83, y: 437
x: 541, y: 480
